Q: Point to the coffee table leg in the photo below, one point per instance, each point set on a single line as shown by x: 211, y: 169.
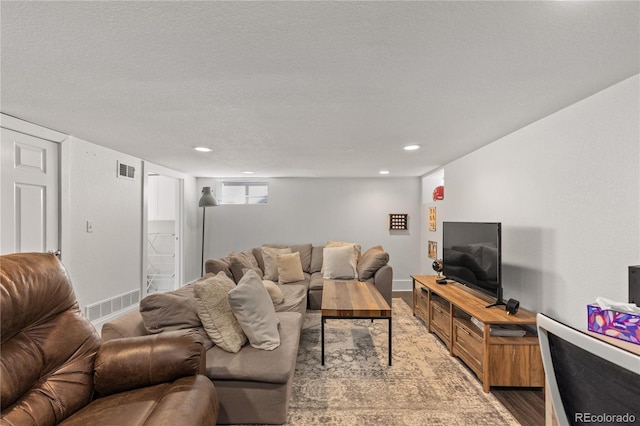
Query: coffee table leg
x: 322, y: 344
x: 389, y: 340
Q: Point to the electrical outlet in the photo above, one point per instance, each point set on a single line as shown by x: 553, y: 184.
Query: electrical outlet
x: 89, y: 226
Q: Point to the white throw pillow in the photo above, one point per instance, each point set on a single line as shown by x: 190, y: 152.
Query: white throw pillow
x: 339, y: 263
x: 357, y: 247
x: 289, y: 268
x: 215, y: 312
x: 275, y: 292
x: 252, y: 306
x: 271, y: 263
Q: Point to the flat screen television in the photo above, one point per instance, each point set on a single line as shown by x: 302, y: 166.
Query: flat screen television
x: 471, y: 255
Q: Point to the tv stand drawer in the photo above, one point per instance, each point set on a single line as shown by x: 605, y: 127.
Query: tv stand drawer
x: 468, y: 345
x: 440, y: 320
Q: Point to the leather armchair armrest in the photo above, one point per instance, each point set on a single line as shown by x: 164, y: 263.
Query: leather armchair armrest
x: 136, y: 362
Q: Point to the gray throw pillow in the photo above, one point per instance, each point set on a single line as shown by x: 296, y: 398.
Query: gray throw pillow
x: 252, y: 306
x: 173, y: 310
x: 239, y: 262
x: 372, y: 260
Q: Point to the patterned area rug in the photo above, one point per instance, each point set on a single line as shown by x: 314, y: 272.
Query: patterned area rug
x: 357, y: 387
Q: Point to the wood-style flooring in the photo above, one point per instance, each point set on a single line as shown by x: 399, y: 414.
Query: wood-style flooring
x: 525, y: 404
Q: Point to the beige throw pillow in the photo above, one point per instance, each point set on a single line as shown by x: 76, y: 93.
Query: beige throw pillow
x: 270, y: 262
x: 289, y: 268
x: 275, y: 292
x: 215, y: 312
x: 252, y: 306
x: 339, y: 263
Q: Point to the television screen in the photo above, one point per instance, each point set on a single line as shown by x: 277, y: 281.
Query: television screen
x: 471, y: 255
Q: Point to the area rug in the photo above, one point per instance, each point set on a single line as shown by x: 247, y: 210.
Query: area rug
x: 356, y: 386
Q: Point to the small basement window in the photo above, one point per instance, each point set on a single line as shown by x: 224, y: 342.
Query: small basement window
x: 244, y: 192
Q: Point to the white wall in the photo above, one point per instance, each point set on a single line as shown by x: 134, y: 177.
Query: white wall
x: 566, y: 189
x: 108, y: 261
x: 309, y: 210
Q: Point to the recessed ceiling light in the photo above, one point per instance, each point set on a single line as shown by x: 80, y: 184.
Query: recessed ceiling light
x: 384, y: 172
x: 202, y: 148
x: 247, y: 172
x: 412, y: 147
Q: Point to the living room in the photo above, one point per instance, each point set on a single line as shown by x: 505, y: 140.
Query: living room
x: 565, y: 185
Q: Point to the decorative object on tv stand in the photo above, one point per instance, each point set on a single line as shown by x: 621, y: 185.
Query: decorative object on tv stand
x: 398, y: 221
x: 438, y: 193
x: 207, y: 200
x: 512, y: 306
x: 438, y: 267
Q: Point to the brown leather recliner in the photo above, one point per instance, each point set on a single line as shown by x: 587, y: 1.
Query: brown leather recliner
x: 54, y: 368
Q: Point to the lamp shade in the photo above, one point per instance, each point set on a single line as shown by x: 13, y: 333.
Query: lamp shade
x: 207, y: 199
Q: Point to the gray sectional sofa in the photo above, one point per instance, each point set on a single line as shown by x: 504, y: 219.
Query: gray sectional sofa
x: 253, y: 385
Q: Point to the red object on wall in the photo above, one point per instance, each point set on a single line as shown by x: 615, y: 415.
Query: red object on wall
x: 438, y: 193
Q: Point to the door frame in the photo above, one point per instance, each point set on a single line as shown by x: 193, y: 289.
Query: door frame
x: 147, y: 168
x: 30, y: 129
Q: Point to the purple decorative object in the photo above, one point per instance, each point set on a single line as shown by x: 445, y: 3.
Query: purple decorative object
x: 620, y: 325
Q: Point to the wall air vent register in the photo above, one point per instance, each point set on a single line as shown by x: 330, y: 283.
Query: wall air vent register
x: 126, y: 171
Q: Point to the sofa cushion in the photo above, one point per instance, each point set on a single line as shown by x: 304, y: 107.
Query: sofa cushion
x: 316, y: 281
x: 271, y: 263
x: 240, y: 262
x: 251, y: 364
x: 289, y: 268
x: 173, y: 310
x: 371, y: 260
x: 316, y: 259
x: 252, y: 306
x: 215, y: 312
x: 214, y: 266
x: 274, y: 291
x: 305, y: 251
x: 339, y: 263
x: 162, y: 404
x: 295, y: 298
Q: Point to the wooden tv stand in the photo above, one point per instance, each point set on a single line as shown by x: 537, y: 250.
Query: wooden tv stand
x: 496, y: 360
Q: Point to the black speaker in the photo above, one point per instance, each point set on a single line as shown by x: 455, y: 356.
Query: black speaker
x: 512, y: 306
x: 634, y: 284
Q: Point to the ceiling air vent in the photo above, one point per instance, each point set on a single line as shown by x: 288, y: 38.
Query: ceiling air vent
x: 126, y: 171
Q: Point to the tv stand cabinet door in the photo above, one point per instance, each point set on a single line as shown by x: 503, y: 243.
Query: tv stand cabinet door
x: 515, y: 361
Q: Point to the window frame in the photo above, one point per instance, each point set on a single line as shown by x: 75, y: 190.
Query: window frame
x: 247, y: 184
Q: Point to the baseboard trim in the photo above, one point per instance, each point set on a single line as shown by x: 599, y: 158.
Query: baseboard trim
x: 402, y: 285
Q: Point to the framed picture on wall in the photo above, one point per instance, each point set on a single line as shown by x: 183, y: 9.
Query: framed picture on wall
x: 432, y: 218
x: 433, y: 249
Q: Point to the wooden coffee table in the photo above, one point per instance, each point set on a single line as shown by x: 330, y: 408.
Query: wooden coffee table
x: 353, y: 300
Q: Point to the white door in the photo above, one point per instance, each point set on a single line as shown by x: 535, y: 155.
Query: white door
x: 29, y: 193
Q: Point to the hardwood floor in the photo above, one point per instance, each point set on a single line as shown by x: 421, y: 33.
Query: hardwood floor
x: 525, y: 404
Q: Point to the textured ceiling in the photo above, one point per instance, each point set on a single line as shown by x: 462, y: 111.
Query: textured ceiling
x: 307, y: 88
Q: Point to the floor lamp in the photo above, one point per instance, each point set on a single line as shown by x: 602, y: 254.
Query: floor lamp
x: 207, y: 200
